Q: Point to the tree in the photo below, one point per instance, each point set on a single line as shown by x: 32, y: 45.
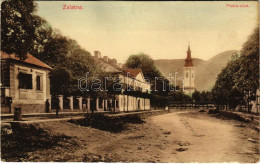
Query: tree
x: 66, y: 58
x: 150, y: 71
x: 43, y: 34
x: 19, y: 25
x: 224, y: 90
x: 145, y: 63
x: 178, y: 96
x: 160, y: 85
x: 196, y: 96
x: 247, y: 76
x: 239, y: 80
x: 206, y: 96
x: 60, y: 81
x: 24, y: 32
x: 55, y: 49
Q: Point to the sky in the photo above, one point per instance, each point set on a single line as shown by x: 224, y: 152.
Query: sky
x: 162, y: 30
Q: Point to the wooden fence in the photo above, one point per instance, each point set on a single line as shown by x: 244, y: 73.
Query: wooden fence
x: 190, y: 105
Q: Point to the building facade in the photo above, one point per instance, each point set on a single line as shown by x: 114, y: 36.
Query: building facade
x: 24, y: 84
x: 134, y: 78
x: 189, y: 74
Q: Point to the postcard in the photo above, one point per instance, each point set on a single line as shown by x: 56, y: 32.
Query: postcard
x: 130, y: 81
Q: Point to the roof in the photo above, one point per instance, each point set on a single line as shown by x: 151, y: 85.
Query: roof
x: 100, y: 59
x: 188, y: 63
x: 133, y: 72
x: 188, y: 60
x: 30, y: 60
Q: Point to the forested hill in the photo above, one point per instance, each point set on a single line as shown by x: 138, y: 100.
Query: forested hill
x: 205, y: 71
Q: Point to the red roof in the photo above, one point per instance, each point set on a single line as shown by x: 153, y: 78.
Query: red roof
x: 133, y: 72
x: 188, y: 63
x: 30, y: 60
x: 188, y: 60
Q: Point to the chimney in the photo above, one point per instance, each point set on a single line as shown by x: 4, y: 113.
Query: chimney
x: 105, y: 58
x: 97, y: 54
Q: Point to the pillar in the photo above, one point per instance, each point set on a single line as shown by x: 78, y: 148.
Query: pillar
x: 106, y: 104
x: 50, y: 104
x: 71, y: 102
x: 115, y: 105
x: 88, y: 104
x: 149, y: 104
x: 144, y: 103
x: 103, y: 104
x: 60, y: 102
x: 124, y: 103
x: 97, y: 104
x: 80, y: 102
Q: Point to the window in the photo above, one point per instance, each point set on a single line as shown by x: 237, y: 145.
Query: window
x: 39, y: 82
x: 187, y: 74
x: 25, y: 80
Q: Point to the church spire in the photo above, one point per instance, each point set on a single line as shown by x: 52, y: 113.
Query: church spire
x: 189, y: 47
x: 188, y: 60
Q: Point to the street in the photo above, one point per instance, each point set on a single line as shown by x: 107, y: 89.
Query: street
x: 186, y: 136
x: 207, y: 139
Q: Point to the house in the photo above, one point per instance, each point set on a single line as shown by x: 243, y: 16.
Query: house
x: 26, y: 83
x: 125, y: 100
x: 133, y: 79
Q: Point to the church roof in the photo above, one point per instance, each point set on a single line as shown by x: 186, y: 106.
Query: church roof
x: 188, y: 60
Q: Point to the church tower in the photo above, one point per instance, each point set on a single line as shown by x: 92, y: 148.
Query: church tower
x: 189, y: 74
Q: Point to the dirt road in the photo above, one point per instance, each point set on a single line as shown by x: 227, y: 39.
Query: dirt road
x: 173, y: 137
x: 206, y: 139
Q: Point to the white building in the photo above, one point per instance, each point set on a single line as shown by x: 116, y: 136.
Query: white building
x: 133, y: 78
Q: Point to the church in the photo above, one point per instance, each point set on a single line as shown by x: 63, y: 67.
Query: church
x: 189, y: 74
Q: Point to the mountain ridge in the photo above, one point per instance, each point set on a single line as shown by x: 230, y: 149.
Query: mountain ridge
x: 206, y: 71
